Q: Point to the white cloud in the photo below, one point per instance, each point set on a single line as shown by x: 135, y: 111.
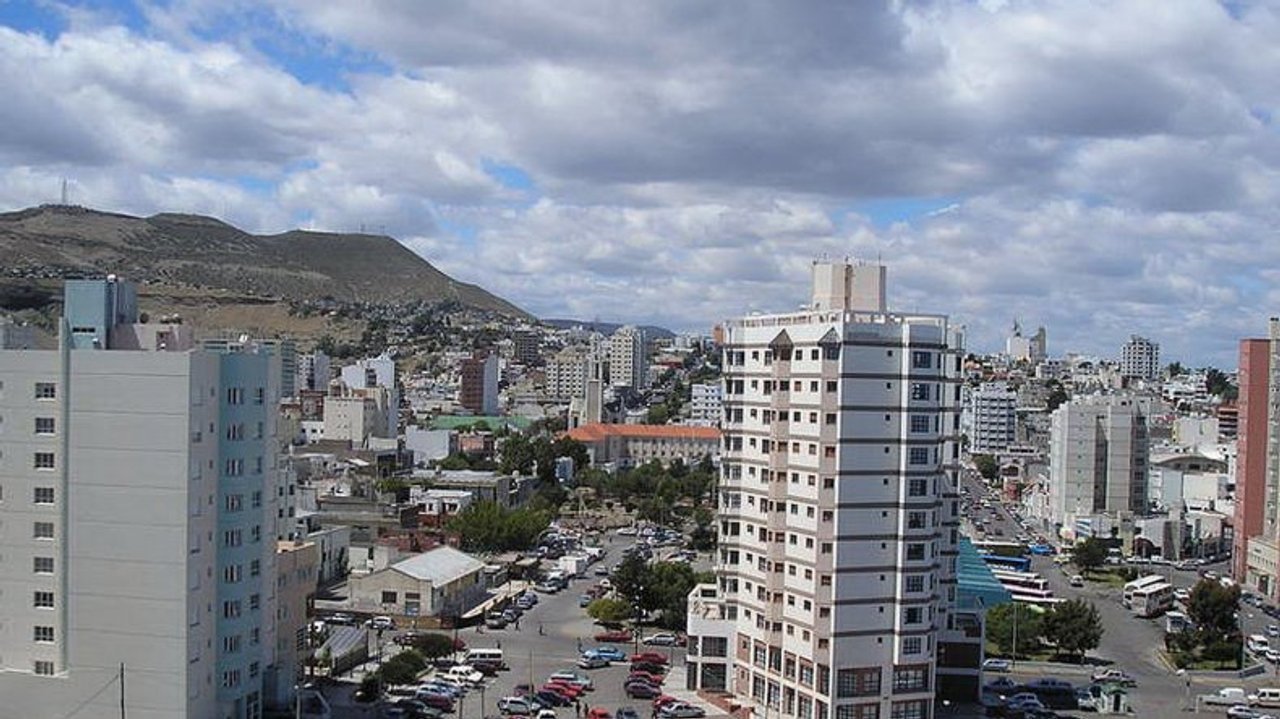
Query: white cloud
x: 1108, y: 167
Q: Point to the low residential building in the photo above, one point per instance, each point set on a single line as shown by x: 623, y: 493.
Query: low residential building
x: 297, y: 569
x: 631, y: 445
x: 441, y: 582
x: 439, y: 505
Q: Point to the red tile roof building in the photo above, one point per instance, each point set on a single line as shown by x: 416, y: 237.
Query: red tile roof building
x: 630, y: 445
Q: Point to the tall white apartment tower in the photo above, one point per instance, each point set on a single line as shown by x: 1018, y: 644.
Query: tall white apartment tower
x: 137, y: 519
x: 1140, y: 358
x: 993, y: 408
x: 837, y: 507
x: 628, y: 358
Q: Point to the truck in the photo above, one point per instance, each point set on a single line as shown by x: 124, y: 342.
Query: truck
x: 573, y: 565
x: 1227, y: 696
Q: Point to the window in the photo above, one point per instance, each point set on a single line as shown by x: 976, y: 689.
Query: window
x: 231, y: 678
x: 231, y: 573
x: 44, y: 668
x: 255, y: 601
x: 829, y: 418
x: 230, y: 609
x: 915, y: 583
x: 42, y: 565
x: 42, y: 530
x: 916, y: 520
x: 43, y: 495
x: 255, y: 567
x: 913, y: 615
x: 831, y: 352
x: 46, y: 390
x: 914, y: 709
x: 918, y: 455
x: 919, y: 423
x: 858, y: 682
x: 42, y: 600
x: 231, y: 644
x: 919, y: 391
x: 233, y: 502
x: 44, y: 425
x: 43, y: 633
x: 917, y: 487
x: 913, y: 678
x: 231, y: 538
x: 44, y: 460
x: 912, y: 645
x: 259, y: 395
x: 915, y: 552
x: 921, y: 360
x: 257, y: 498
x: 235, y: 395
x: 388, y: 597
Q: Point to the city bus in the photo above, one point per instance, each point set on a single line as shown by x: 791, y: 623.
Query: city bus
x: 1014, y: 564
x: 1025, y: 586
x: 1148, y: 596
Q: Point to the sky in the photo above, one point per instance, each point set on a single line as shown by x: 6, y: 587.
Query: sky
x: 1100, y: 168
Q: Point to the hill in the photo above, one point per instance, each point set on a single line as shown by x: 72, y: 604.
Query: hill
x: 181, y: 255
x: 608, y: 328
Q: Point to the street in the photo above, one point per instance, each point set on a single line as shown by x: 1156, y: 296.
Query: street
x: 1128, y: 642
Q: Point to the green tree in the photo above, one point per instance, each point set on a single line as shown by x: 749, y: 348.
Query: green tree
x: 610, y: 611
x: 1057, y: 395
x: 1074, y: 626
x: 630, y: 577
x: 987, y: 466
x: 667, y: 591
x: 489, y: 527
x: 658, y: 414
x: 403, y: 668
x: 1089, y: 555
x: 455, y: 461
x: 433, y: 644
x: 1217, y: 382
x: 1000, y: 627
x: 1213, y: 609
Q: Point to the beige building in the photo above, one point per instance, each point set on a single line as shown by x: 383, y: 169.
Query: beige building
x: 631, y: 445
x: 297, y: 570
x: 443, y: 581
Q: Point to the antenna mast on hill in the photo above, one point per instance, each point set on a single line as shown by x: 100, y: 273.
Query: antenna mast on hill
x: 64, y: 191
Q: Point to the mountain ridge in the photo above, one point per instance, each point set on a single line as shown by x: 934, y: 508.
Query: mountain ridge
x: 201, y: 251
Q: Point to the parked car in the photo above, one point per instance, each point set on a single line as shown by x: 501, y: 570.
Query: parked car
x: 552, y: 699
x: 515, y: 705
x: 1240, y: 711
x: 661, y: 639
x: 592, y: 661
x: 642, y: 690
x: 651, y: 657
x: 681, y: 710
x: 585, y: 599
x: 626, y: 713
x: 997, y: 665
x: 578, y: 678
x: 1003, y: 685
x: 650, y: 667
x: 340, y: 618
x: 654, y: 679
x: 382, y: 623
x: 613, y: 654
x: 409, y: 638
x: 1077, y: 580
x: 613, y: 635
x: 599, y: 713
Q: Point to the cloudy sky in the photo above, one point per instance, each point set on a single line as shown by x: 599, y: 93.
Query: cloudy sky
x: 1102, y: 168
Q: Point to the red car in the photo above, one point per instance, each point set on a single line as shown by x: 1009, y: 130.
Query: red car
x: 572, y: 691
x: 599, y: 713
x: 613, y: 635
x: 654, y: 679
x: 653, y: 657
x: 664, y: 700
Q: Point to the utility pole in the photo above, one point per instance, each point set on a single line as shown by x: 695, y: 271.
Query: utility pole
x: 1014, y: 662
x: 121, y: 663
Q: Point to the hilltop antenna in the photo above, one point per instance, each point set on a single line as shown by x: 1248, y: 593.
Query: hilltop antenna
x: 64, y: 191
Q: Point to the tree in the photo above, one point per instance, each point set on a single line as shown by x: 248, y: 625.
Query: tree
x: 489, y: 527
x: 1217, y: 382
x: 1089, y: 554
x: 1213, y: 608
x: 987, y: 466
x: 1000, y: 627
x: 1074, y: 626
x: 610, y: 611
x: 403, y: 668
x: 433, y: 645
x: 630, y: 576
x: 1057, y: 395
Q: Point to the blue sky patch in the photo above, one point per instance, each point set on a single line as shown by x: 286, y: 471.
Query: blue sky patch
x: 511, y: 176
x: 886, y: 211
x: 26, y: 17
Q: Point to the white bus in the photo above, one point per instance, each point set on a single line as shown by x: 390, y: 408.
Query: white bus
x: 484, y: 656
x: 1025, y: 587
x: 1149, y: 596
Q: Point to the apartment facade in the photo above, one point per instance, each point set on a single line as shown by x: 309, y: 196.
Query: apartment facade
x: 1098, y: 459
x: 478, y: 391
x: 137, y: 511
x: 1140, y: 359
x: 706, y: 403
x: 628, y: 358
x: 1255, y: 552
x: 993, y: 409
x: 837, y: 505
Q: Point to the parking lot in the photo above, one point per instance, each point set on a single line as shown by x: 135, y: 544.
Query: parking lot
x: 548, y: 640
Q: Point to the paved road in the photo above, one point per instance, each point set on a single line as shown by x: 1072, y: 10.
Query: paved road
x: 1130, y: 642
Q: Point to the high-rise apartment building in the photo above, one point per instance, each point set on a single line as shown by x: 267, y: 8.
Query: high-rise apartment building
x: 377, y: 372
x: 837, y: 507
x: 993, y: 413
x: 570, y: 370
x: 314, y: 371
x: 1098, y: 451
x: 706, y: 403
x: 478, y: 392
x: 138, y: 520
x: 628, y: 358
x: 1140, y: 359
x: 525, y: 346
x: 1255, y: 552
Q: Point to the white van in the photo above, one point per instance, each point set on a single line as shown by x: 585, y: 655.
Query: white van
x: 1266, y: 697
x: 1258, y: 643
x: 482, y: 656
x: 465, y: 673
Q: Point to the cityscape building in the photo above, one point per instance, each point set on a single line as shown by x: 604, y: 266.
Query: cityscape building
x: 1098, y: 452
x: 628, y: 358
x: 1140, y: 359
x: 838, y: 508
x: 993, y: 412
